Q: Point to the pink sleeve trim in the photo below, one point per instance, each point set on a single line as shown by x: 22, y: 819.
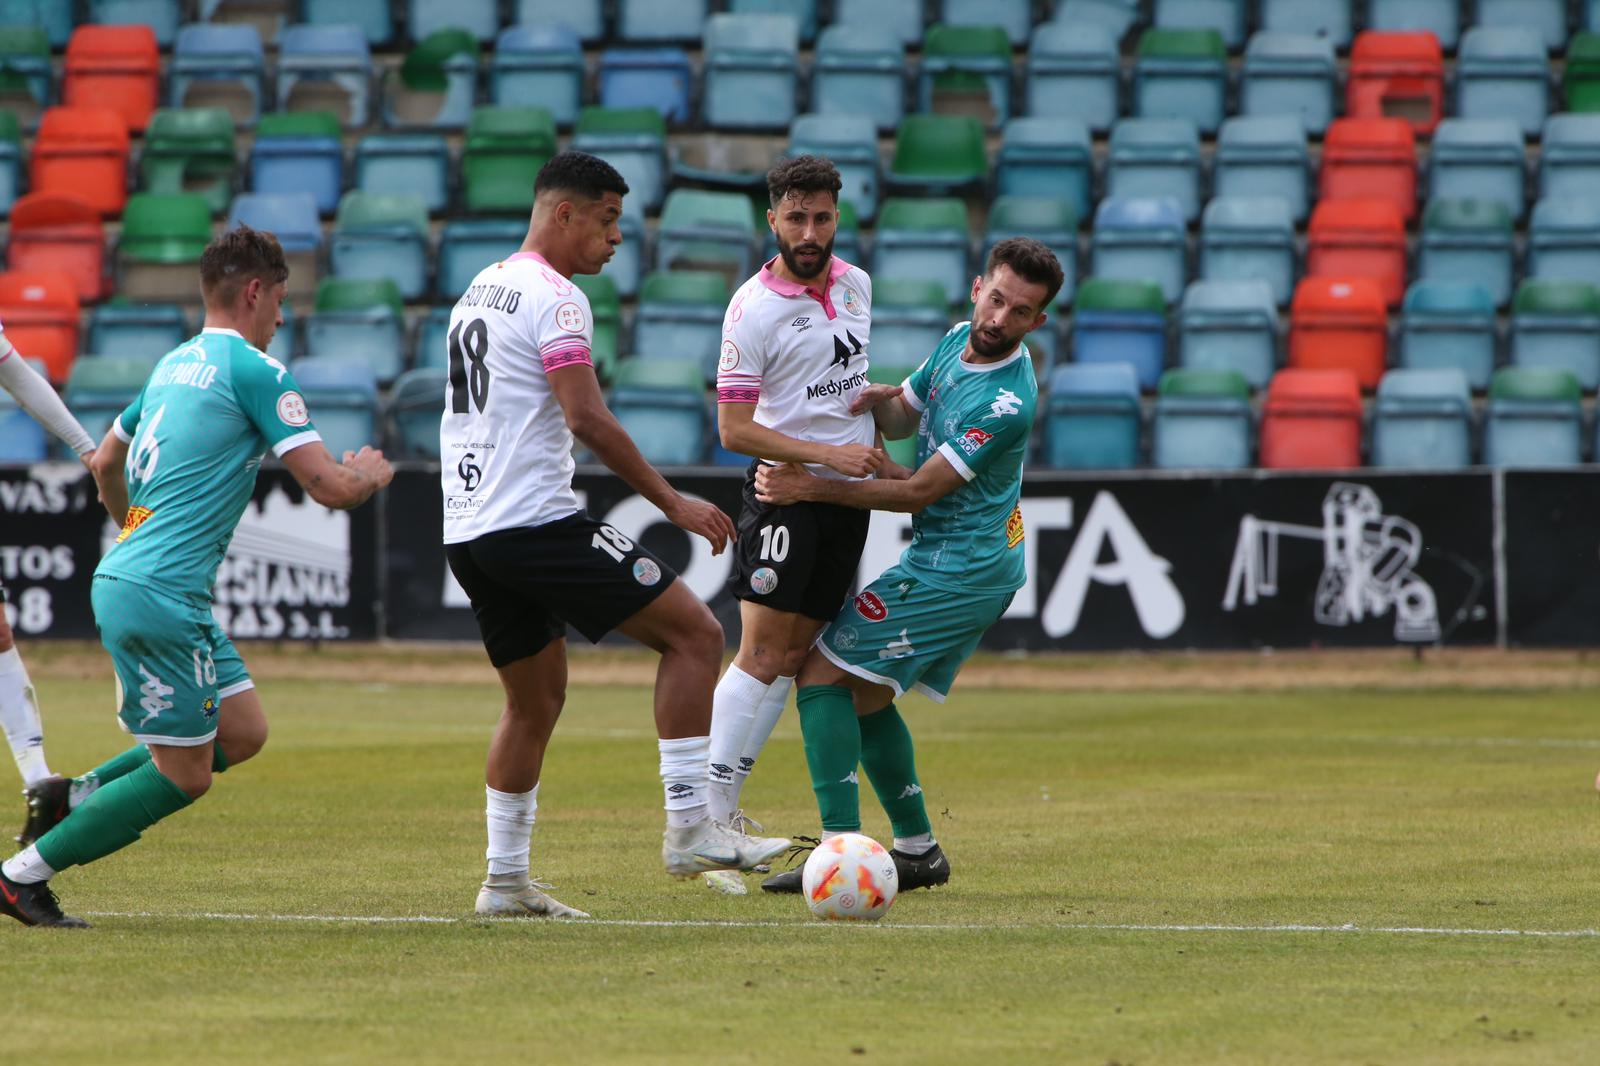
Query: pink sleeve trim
x: 571, y: 356
x: 738, y: 394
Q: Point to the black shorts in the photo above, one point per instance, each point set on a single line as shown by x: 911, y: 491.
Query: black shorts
x: 529, y: 583
x: 801, y: 558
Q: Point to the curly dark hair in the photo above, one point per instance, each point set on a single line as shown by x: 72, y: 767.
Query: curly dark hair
x: 231, y: 260
x: 586, y: 175
x: 803, y: 174
x: 1030, y: 261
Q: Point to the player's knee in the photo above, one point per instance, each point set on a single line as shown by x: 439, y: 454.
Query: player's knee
x: 245, y: 744
x: 194, y: 783
x: 794, y: 660
x: 700, y: 636
x: 540, y: 705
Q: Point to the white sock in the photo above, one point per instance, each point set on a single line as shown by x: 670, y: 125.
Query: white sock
x: 26, y: 868
x: 920, y: 844
x: 733, y: 710
x: 19, y: 716
x: 684, y: 779
x: 510, y: 820
x: 767, y: 715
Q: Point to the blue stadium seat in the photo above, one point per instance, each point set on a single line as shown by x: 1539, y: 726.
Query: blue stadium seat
x: 851, y: 142
x: 1055, y: 225
x: 1013, y: 16
x: 219, y: 66
x: 1073, y: 70
x: 1117, y: 17
x: 1534, y: 418
x: 1121, y: 322
x: 162, y: 16
x: 699, y: 229
x: 1181, y: 74
x: 1202, y: 421
x: 1422, y: 420
x: 1564, y: 240
x: 369, y: 333
x: 1555, y: 324
x: 1569, y: 157
x: 417, y: 163
x: 299, y: 154
x: 431, y: 347
x: 1328, y: 19
x: 1503, y: 73
x: 752, y: 70
x: 1092, y: 419
x: 342, y: 397
x: 1290, y: 74
x: 22, y: 440
x: 1468, y: 240
x: 634, y: 141
x: 149, y: 330
x: 1549, y: 17
x: 436, y: 86
x: 647, y: 77
x: 1156, y: 157
x: 632, y: 259
x: 10, y: 162
x: 1263, y: 156
x: 1230, y: 325
x: 1048, y: 157
x: 286, y: 342
x: 1479, y: 159
x: 1227, y: 17
x: 859, y: 70
x: 927, y: 240
x: 375, y: 17
x: 416, y: 404
x: 804, y: 12
x: 1141, y: 239
x: 663, y: 409
x: 467, y: 245
x: 325, y: 68
x: 1449, y: 325
x: 543, y: 63
x: 651, y: 21
x: 382, y: 235
x: 481, y: 18
x: 586, y: 18
x: 53, y: 16
x: 1244, y: 239
x: 1442, y: 18
x: 900, y: 18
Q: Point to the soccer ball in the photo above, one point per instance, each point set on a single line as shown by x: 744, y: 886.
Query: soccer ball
x: 850, y: 876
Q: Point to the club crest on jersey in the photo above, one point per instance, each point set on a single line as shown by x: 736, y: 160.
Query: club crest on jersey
x: 570, y: 317
x: 852, y: 302
x: 292, y: 409
x: 1014, y: 530
x: 973, y: 439
x: 845, y: 638
x: 763, y: 581
x: 729, y: 359
x: 646, y: 572
x: 871, y: 608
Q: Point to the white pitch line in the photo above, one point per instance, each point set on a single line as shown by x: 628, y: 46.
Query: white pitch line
x: 707, y: 923
x: 1476, y: 742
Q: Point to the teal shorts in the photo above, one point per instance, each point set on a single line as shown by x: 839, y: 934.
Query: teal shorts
x: 905, y: 635
x: 174, y: 664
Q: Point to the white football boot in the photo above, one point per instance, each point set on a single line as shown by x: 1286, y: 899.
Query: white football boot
x: 728, y: 882
x: 710, y: 845
x: 528, y: 900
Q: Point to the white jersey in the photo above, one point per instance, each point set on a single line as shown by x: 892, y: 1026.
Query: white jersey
x: 800, y: 354
x: 504, y: 445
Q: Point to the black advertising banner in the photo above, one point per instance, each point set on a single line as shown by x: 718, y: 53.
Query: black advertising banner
x: 1553, y: 558
x: 50, y: 535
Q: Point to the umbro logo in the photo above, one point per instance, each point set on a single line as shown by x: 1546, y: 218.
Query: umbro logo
x: 680, y: 788
x: 801, y: 324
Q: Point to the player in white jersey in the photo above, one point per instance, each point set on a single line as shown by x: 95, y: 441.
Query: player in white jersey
x: 521, y: 389
x: 795, y: 345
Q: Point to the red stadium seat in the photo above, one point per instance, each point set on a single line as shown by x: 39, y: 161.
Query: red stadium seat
x: 1359, y: 239
x: 114, y: 66
x: 1371, y: 159
x: 57, y: 233
x: 1311, y: 420
x: 1397, y: 75
x: 40, y: 315
x: 1339, y: 324
x: 82, y: 152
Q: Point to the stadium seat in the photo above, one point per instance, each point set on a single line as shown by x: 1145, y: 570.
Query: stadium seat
x: 1371, y: 159
x: 436, y: 85
x: 650, y: 21
x: 901, y: 18
x: 1202, y: 421
x: 1047, y: 157
x: 752, y: 71
x: 1468, y: 240
x: 100, y: 387
x: 1534, y: 418
x: 1422, y: 420
x: 1073, y: 71
x: 851, y: 143
x: 467, y: 245
x: 662, y: 405
x: 1117, y: 17
x: 1249, y: 238
x: 586, y: 18
x: 1230, y: 326
x: 632, y: 259
x: 1359, y: 239
x: 191, y: 150
x: 707, y: 231
x: 909, y: 319
x: 52, y: 16
x: 954, y: 55
x: 1548, y: 17
x: 1339, y: 324
x: 1449, y: 325
x: 1555, y: 324
x: 342, y: 398
x: 1442, y: 18
x: 292, y: 218
x: 10, y: 161
x: 938, y: 155
x: 1503, y: 73
x: 1053, y: 223
x: 25, y: 78
x: 634, y: 140
x: 163, y: 236
x: 925, y: 240
x: 504, y: 149
x: 1181, y: 74
x: 424, y: 18
x: 1092, y: 419
x: 1226, y: 17
x: 1263, y: 156
x: 22, y: 440
x: 325, y: 68
x: 1479, y: 159
x: 299, y: 153
x: 1328, y: 19
x: 605, y: 305
x: 1564, y: 240
x: 285, y: 343
x: 359, y: 319
x: 859, y: 69
x: 161, y: 16
x: 1311, y: 420
x: 1013, y: 16
x: 148, y: 330
x: 415, y: 163
x: 647, y: 77
x: 1156, y: 157
x: 375, y: 17
x: 381, y: 235
x: 1569, y: 157
x: 804, y: 12
x: 56, y: 233
x: 1121, y: 322
x: 82, y: 152
x: 416, y: 403
x: 680, y: 317
x: 539, y: 62
x: 1289, y: 74
x: 433, y: 344
x: 1396, y: 75
x: 1141, y: 239
x: 1581, y: 79
x: 219, y: 66
x: 116, y: 67
x: 40, y: 312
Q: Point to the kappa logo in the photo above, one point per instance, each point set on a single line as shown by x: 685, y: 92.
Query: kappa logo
x: 850, y: 779
x: 870, y: 607
x: 910, y: 790
x: 1005, y: 403
x: 801, y: 324
x: 153, y: 696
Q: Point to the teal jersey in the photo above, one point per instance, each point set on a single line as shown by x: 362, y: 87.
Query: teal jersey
x: 196, y: 434
x: 979, y: 416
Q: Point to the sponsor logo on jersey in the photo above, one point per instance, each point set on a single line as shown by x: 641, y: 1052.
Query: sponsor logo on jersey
x: 898, y: 648
x: 208, y: 709
x: 801, y: 324
x: 292, y: 409
x: 852, y: 302
x: 1014, y: 530
x: 729, y: 360
x: 842, y: 351
x: 764, y: 580
x: 471, y: 473
x: 871, y: 608
x: 845, y: 638
x: 570, y: 317
x: 137, y: 516
x: 646, y: 572
x: 973, y: 439
x: 836, y: 388
x: 1006, y: 403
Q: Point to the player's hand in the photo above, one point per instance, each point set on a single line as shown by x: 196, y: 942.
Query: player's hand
x: 854, y: 460
x: 872, y: 396
x: 783, y: 484
x: 370, y: 461
x: 893, y: 471
x: 87, y: 459
x: 703, y: 519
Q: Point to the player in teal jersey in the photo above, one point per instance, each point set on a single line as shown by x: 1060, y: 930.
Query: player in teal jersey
x: 971, y: 405
x: 177, y: 469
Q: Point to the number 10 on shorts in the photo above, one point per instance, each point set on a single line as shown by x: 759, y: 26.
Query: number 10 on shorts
x: 774, y: 542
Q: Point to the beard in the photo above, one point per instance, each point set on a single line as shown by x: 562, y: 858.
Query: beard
x: 988, y: 346
x: 792, y: 252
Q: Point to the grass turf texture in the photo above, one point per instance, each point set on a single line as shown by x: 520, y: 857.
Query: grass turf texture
x: 1061, y: 812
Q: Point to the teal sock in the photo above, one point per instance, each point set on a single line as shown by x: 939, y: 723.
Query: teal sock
x: 833, y: 751
x: 219, y: 761
x: 891, y: 765
x: 118, y: 765
x: 112, y: 818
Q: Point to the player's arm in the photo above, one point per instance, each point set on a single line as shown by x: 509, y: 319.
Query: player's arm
x: 740, y: 432
x: 583, y: 406
x: 895, y: 416
x: 341, y: 486
x: 787, y: 484
x: 37, y: 398
x: 108, y: 465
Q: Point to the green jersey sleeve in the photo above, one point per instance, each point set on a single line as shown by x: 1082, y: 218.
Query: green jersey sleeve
x: 270, y: 399
x: 995, y: 423
x: 127, y: 423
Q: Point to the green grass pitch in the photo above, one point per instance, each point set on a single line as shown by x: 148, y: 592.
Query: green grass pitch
x: 1125, y: 867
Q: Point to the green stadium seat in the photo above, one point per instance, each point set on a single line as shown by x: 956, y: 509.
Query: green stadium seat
x: 359, y: 319
x: 634, y: 141
x: 1202, y: 421
x: 435, y: 85
x: 938, y: 154
x: 163, y: 235
x: 909, y: 319
x: 964, y: 59
x: 378, y: 235
x: 1468, y: 240
x: 680, y: 317
x: 925, y: 240
x: 1581, y: 80
x: 25, y: 76
x: 503, y: 151
x: 1534, y: 418
x: 191, y: 150
x: 1181, y: 74
x: 605, y: 305
x: 1555, y: 324
x: 702, y: 230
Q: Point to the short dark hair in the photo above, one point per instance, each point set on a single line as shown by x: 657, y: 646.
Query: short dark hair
x: 803, y: 173
x: 586, y: 175
x: 1030, y: 261
x: 231, y: 260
